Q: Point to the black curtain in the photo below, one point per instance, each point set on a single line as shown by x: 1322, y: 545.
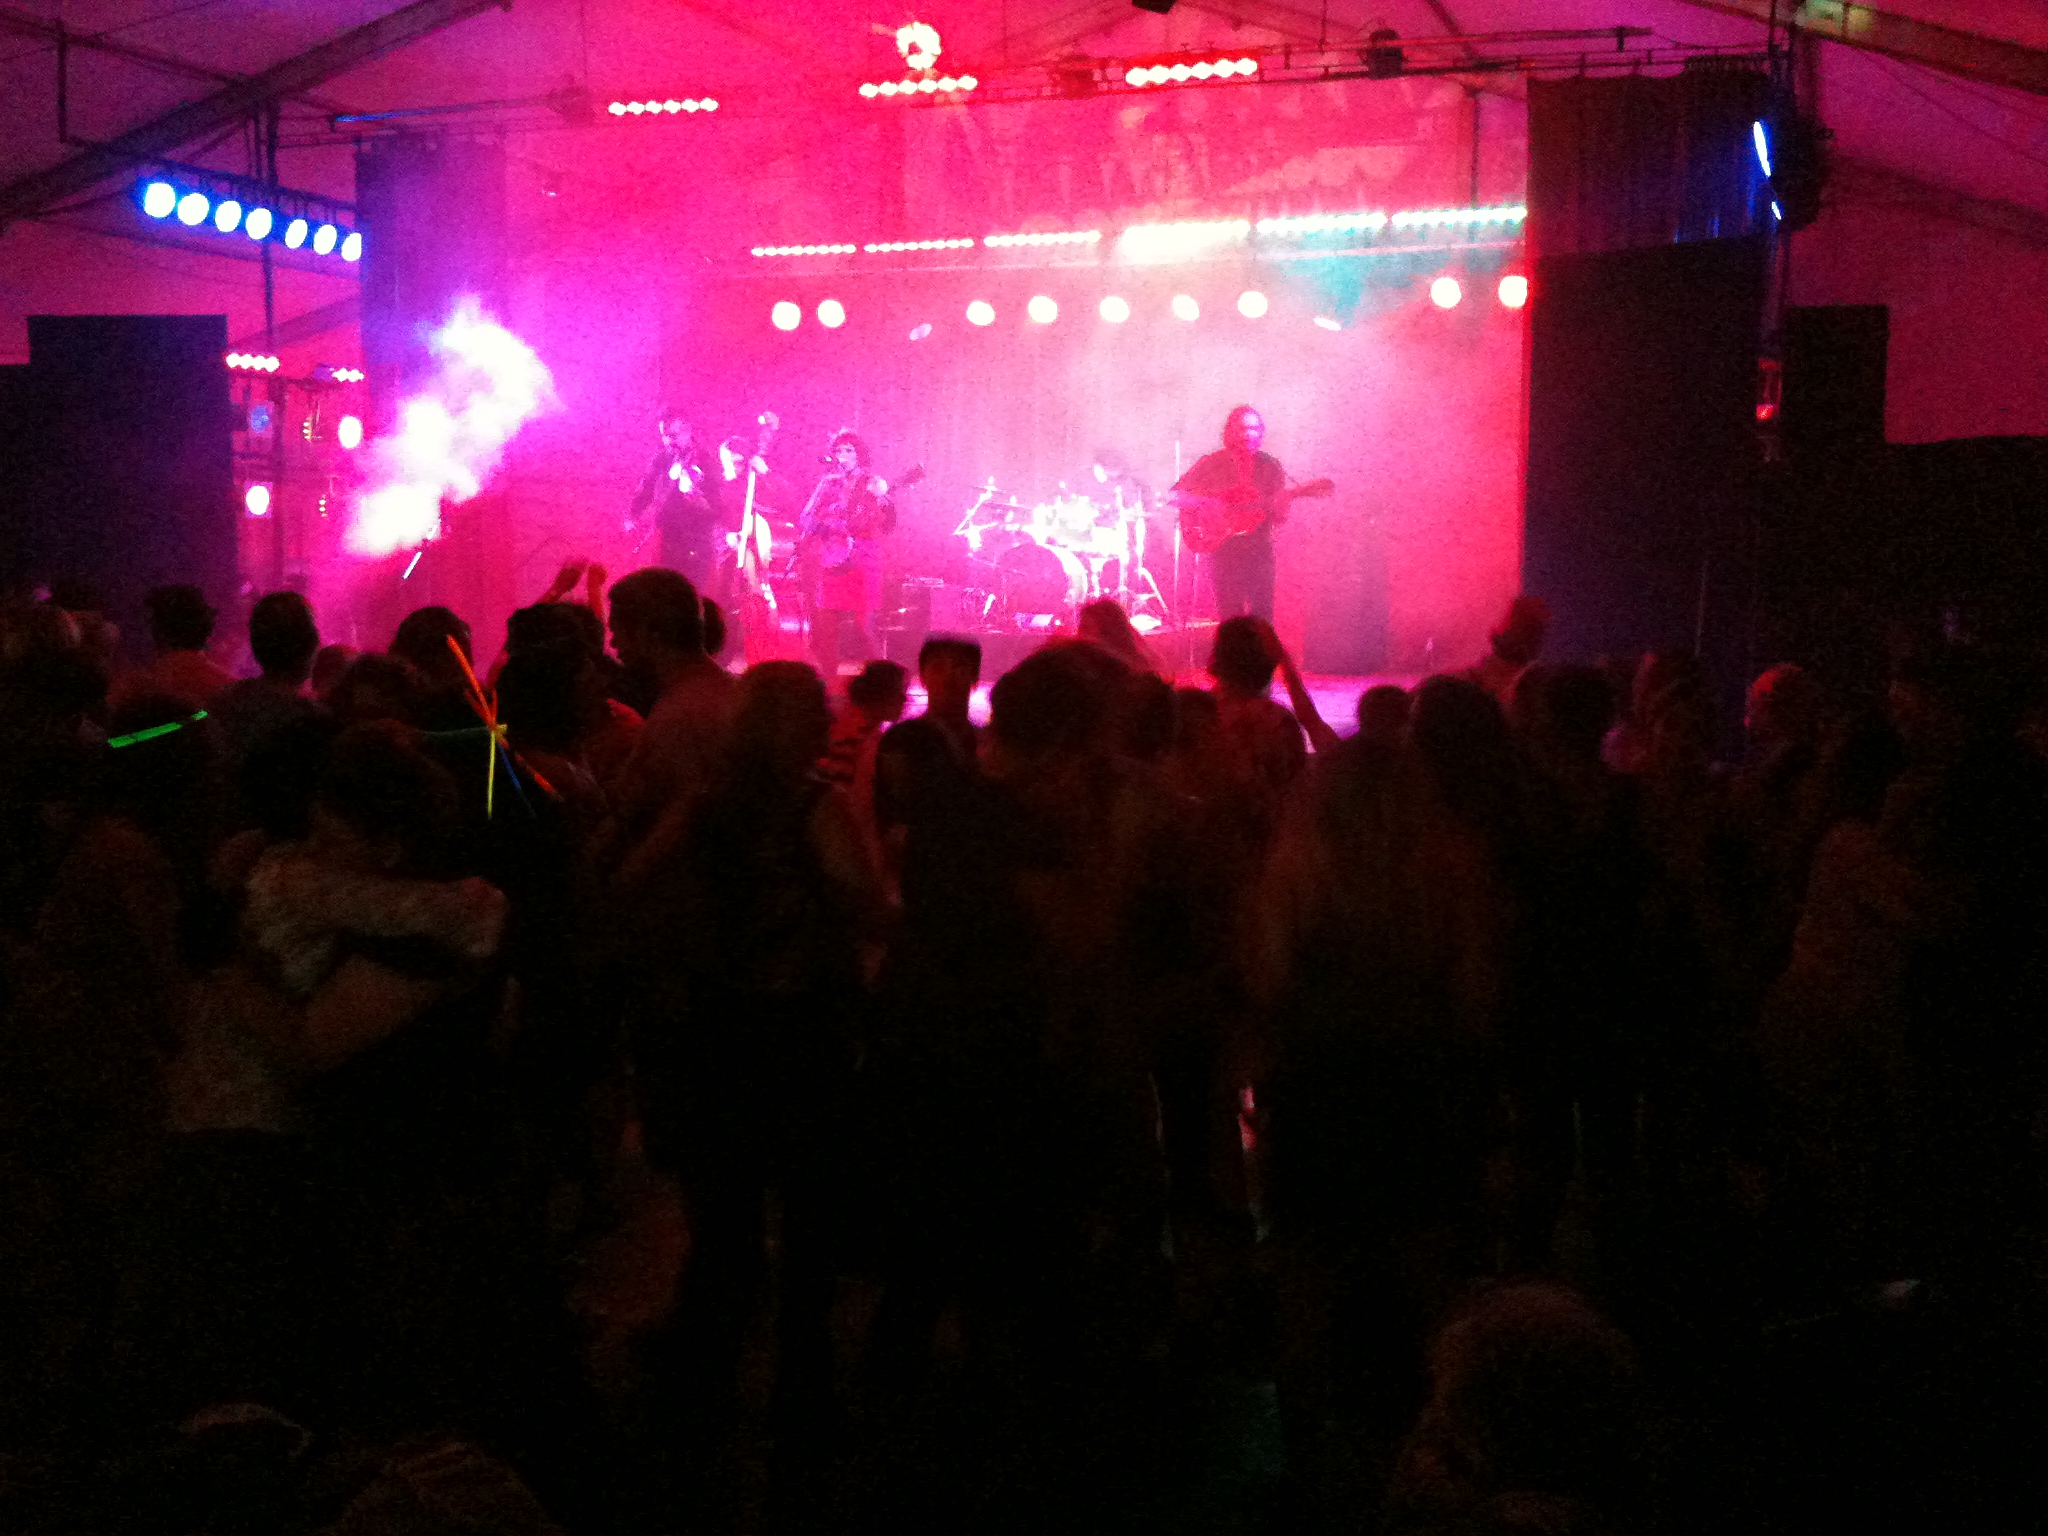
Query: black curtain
x: 120, y: 474
x: 1626, y: 164
x: 1650, y: 223
x: 1642, y: 458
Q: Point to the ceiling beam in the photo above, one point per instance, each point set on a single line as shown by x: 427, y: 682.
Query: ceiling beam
x: 26, y: 24
x: 1969, y: 54
x: 86, y: 169
x: 1852, y: 180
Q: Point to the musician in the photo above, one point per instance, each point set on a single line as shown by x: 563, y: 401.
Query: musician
x: 1242, y: 566
x: 682, y: 486
x: 839, y: 550
x: 745, y: 454
x: 1111, y: 472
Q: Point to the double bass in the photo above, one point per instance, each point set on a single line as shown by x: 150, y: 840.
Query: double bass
x: 760, y: 620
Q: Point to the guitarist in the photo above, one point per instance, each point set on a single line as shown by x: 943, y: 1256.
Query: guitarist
x: 1253, y: 487
x: 839, y: 550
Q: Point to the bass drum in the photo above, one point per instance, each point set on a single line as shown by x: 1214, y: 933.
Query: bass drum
x: 1041, y: 578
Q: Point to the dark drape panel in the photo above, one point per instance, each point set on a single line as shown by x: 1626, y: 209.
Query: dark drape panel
x: 123, y: 471
x: 1641, y: 483
x: 1617, y: 165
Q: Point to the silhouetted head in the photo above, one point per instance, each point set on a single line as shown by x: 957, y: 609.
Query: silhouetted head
x: 180, y: 618
x: 283, y: 637
x: 655, y: 614
x: 1239, y: 658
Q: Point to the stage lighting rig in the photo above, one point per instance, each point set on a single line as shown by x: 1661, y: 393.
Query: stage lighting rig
x: 1381, y: 54
x: 218, y: 203
x: 918, y: 42
x: 1791, y: 154
x: 1384, y: 57
x: 662, y: 106
x: 931, y: 87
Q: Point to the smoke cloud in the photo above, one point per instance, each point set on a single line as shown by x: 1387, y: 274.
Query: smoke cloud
x: 452, y: 436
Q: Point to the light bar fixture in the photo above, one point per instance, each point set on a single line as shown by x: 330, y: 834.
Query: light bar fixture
x: 1179, y: 241
x: 1184, y: 71
x: 1437, y: 218
x: 882, y: 246
x: 667, y: 106
x: 251, y: 362
x: 930, y: 85
x: 1044, y: 237
x: 1195, y: 239
x: 1324, y: 224
x: 214, y: 202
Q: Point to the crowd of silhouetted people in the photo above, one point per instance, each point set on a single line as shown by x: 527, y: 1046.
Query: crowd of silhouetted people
x: 604, y: 1087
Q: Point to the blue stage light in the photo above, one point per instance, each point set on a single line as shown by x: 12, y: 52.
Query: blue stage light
x: 1762, y: 140
x: 227, y: 216
x: 259, y: 223
x: 159, y: 199
x: 193, y: 208
x: 352, y: 246
x: 324, y: 239
x: 295, y: 234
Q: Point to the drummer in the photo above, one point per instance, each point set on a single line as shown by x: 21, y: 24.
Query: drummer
x: 1112, y: 483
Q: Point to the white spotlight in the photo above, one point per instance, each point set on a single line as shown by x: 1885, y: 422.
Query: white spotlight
x: 1251, y: 304
x: 1185, y: 307
x: 1445, y: 292
x: 785, y: 315
x: 1514, y: 290
x: 981, y: 312
x: 1115, y: 310
x: 1042, y: 309
x: 831, y: 314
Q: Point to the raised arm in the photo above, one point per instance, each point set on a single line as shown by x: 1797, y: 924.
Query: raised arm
x: 1320, y: 734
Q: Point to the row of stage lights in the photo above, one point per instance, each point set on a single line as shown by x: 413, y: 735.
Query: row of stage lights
x: 954, y: 243
x: 1164, y: 242
x: 193, y: 208
x: 1181, y: 72
x: 264, y: 362
x: 930, y: 85
x: 668, y: 106
x: 1445, y: 292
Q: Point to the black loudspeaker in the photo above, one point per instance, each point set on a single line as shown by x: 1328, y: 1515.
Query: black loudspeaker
x: 120, y: 470
x: 1642, y: 408
x: 433, y: 214
x: 1834, y: 356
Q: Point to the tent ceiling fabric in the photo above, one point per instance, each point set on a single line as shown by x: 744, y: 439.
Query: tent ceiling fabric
x: 779, y: 61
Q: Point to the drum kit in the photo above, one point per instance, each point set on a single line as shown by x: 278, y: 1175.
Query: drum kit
x: 1041, y: 561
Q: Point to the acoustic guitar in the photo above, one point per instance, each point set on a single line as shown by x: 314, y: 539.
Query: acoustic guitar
x: 1206, y: 521
x: 868, y: 519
